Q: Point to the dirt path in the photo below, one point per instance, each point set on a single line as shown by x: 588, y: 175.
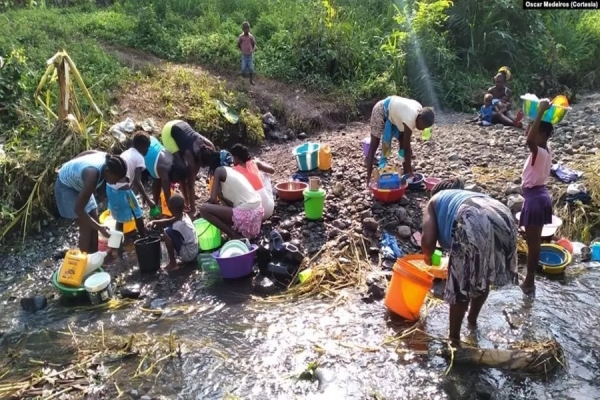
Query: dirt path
x: 295, y: 106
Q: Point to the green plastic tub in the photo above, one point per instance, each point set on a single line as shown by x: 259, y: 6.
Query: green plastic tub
x: 69, y: 291
x: 209, y: 236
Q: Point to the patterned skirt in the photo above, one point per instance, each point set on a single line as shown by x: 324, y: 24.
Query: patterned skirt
x: 483, y: 251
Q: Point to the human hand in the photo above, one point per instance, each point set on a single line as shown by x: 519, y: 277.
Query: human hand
x: 427, y: 259
x: 151, y: 204
x: 104, y: 231
x: 544, y: 105
x: 151, y: 225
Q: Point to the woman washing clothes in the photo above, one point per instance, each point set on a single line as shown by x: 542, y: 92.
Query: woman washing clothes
x: 242, y: 212
x: 501, y: 100
x: 481, y: 235
x: 253, y: 170
x: 537, y: 208
x: 160, y: 165
x: 396, y: 117
x: 183, y: 141
x: 74, y: 190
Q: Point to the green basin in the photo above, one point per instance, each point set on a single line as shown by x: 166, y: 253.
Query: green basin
x: 69, y: 291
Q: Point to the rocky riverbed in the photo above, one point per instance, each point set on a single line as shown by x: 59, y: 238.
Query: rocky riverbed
x: 489, y: 159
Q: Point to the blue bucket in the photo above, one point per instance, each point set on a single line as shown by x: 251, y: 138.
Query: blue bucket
x: 307, y: 156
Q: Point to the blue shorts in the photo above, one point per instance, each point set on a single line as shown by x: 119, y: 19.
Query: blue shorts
x: 248, y: 64
x: 66, y: 198
x: 123, y: 204
x: 175, y: 238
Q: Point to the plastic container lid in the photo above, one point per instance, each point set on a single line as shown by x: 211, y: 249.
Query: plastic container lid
x: 97, y: 282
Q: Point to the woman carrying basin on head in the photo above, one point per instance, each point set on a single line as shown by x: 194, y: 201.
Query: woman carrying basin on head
x: 241, y: 213
x: 396, y: 117
x: 253, y: 170
x: 481, y: 236
x: 185, y: 143
x: 74, y: 190
x: 537, y: 208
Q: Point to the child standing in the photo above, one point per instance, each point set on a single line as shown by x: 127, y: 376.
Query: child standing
x: 537, y: 209
x: 180, y: 235
x: 247, y: 46
x: 122, y: 202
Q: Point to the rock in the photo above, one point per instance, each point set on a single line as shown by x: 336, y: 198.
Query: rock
x: 60, y: 253
x: 34, y: 304
x: 401, y: 214
x: 131, y: 291
x: 264, y: 285
x: 513, y: 189
x: 269, y: 119
x: 515, y: 203
x: 404, y: 232
x: 376, y: 290
x: 338, y: 189
x: 370, y: 224
x: 302, y: 135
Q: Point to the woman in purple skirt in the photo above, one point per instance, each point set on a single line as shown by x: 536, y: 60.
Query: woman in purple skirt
x: 537, y: 209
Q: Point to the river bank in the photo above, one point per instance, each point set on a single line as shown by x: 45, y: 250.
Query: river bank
x: 232, y: 344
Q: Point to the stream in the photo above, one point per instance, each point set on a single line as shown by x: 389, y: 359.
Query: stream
x: 233, y: 346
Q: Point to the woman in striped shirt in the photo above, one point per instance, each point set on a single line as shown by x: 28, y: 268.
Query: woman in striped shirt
x: 74, y: 192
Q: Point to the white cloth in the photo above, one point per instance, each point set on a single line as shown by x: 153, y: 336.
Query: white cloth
x: 404, y: 111
x: 238, y: 190
x: 134, y: 160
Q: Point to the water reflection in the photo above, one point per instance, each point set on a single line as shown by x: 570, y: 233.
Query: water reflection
x: 255, y: 350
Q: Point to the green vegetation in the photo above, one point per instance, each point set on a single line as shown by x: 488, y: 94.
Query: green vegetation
x: 442, y: 53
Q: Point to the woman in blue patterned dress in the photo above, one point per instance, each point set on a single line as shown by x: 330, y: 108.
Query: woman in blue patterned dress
x: 480, y: 234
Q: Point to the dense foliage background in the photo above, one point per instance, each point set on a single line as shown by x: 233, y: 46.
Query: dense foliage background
x: 442, y: 53
x: 435, y: 50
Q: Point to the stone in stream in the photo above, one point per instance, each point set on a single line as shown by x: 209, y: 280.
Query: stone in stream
x: 131, y: 291
x: 34, y: 304
x: 264, y: 285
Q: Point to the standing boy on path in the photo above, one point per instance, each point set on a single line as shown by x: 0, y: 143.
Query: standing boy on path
x: 247, y: 45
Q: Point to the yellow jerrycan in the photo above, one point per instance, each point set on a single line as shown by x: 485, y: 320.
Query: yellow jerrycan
x: 72, y: 270
x: 325, y: 157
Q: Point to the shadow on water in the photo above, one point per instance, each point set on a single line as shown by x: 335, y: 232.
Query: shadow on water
x: 233, y: 344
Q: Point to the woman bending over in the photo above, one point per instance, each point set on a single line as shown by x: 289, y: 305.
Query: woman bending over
x: 242, y: 212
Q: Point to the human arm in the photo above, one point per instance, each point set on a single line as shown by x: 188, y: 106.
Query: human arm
x: 191, y: 180
x: 165, y: 182
x: 373, y: 146
x: 220, y: 175
x: 253, y: 41
x: 406, y: 138
x: 543, y: 106
x: 429, y: 236
x: 264, y: 167
x: 90, y: 178
x: 137, y: 183
x: 161, y: 223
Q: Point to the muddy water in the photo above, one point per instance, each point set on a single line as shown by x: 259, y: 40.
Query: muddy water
x: 234, y: 346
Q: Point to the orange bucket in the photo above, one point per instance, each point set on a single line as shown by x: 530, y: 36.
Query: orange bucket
x: 407, y: 291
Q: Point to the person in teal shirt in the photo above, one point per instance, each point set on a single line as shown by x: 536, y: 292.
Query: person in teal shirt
x: 480, y: 234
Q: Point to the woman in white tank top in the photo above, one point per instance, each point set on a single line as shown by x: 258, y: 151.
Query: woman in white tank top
x: 240, y: 212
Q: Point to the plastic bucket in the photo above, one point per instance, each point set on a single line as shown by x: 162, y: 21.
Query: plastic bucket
x: 98, y: 288
x: 366, y: 145
x: 407, y: 291
x: 238, y: 266
x: 209, y: 236
x: 307, y: 156
x: 148, y: 253
x: 115, y: 239
x: 314, y: 204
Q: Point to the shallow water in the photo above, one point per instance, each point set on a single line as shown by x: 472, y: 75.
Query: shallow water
x: 234, y: 345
